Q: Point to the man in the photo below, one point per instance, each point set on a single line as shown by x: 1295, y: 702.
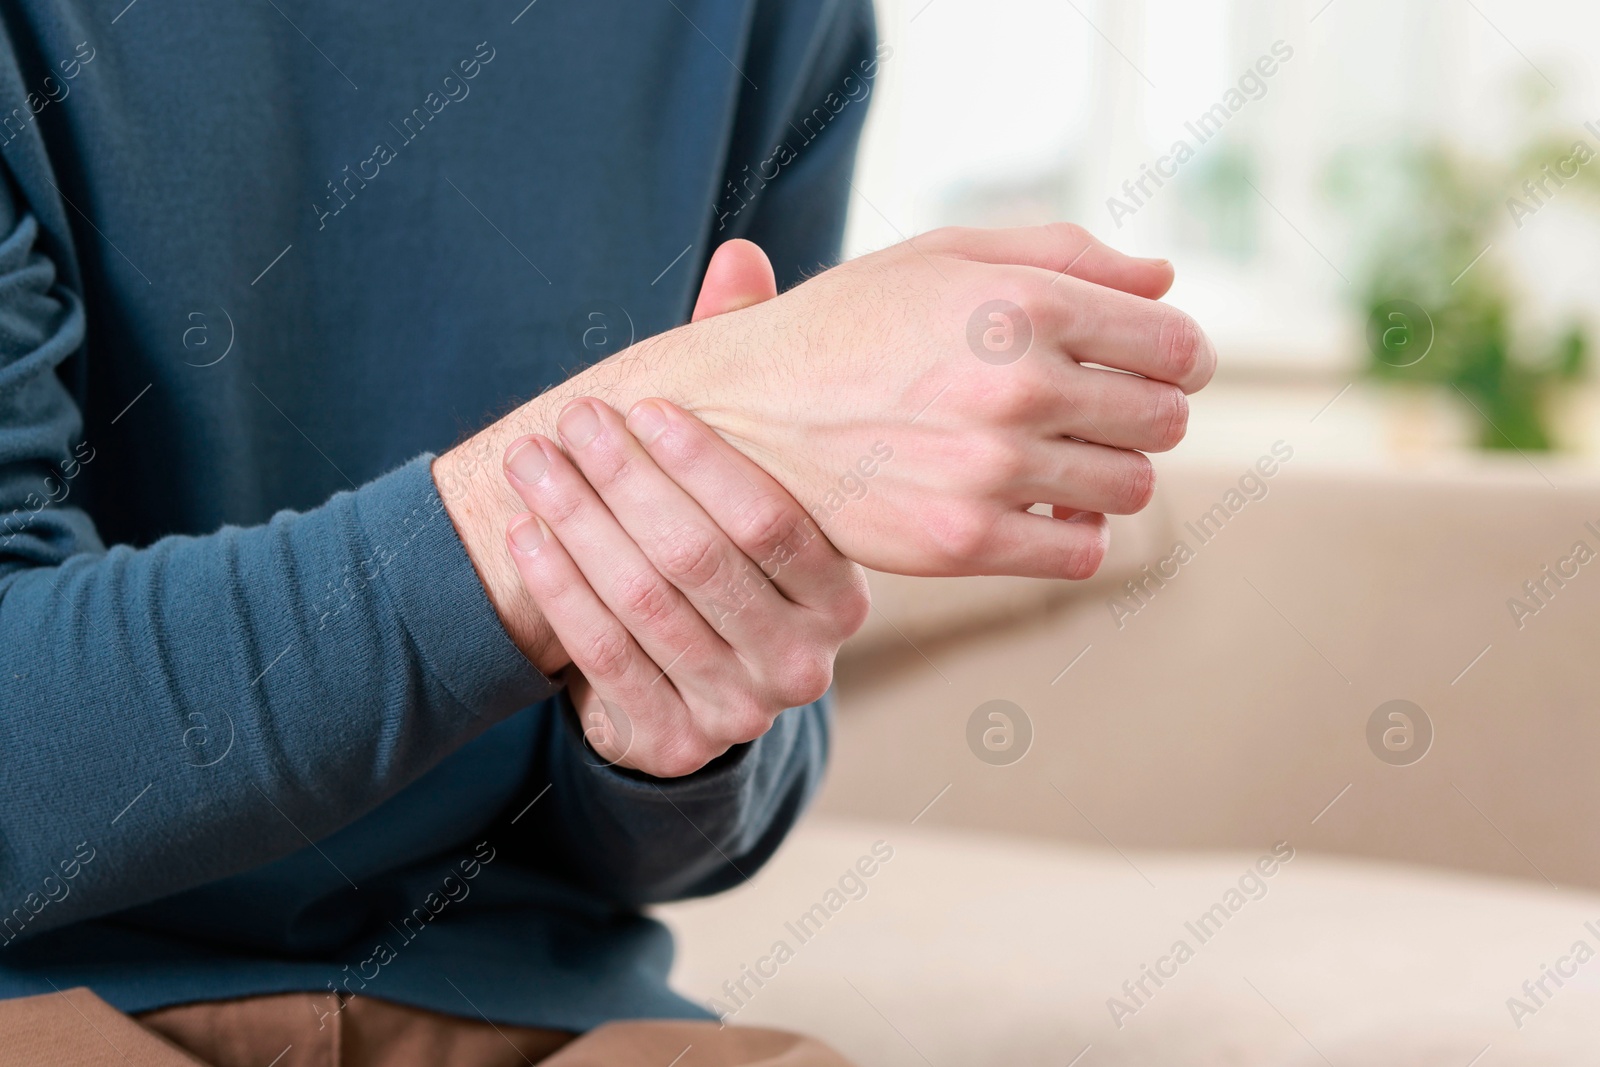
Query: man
x: 310, y: 781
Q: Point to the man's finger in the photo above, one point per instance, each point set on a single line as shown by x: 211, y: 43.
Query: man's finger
x: 604, y: 652
x: 1088, y: 477
x: 1120, y: 410
x: 665, y: 625
x: 1095, y: 324
x: 1061, y: 247
x: 767, y: 524
x: 669, y: 526
x: 1045, y: 546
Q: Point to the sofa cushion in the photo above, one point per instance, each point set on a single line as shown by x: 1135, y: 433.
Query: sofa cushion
x: 904, y: 945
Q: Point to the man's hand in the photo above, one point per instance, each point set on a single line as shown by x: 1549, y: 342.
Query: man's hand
x: 863, y: 393
x: 656, y: 562
x: 885, y: 355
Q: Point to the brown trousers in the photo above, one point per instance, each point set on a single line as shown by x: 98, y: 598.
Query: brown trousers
x: 75, y: 1028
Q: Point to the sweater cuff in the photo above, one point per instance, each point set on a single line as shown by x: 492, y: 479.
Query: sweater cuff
x: 438, y: 597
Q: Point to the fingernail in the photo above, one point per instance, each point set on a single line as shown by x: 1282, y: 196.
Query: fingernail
x: 527, y: 462
x: 1158, y: 262
x: 527, y: 534
x: 578, y: 425
x: 646, y: 421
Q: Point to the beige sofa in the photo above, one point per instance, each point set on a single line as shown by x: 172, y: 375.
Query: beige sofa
x: 1031, y: 910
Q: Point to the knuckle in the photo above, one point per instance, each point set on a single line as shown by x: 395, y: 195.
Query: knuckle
x: 1004, y: 463
x: 731, y: 597
x: 605, y: 654
x: 689, y: 557
x: 559, y: 507
x: 606, y: 463
x: 686, y: 752
x: 959, y: 535
x: 645, y: 598
x: 1015, y: 397
x: 1182, y: 346
x: 746, y: 717
x: 805, y: 678
x: 854, y: 606
x: 988, y: 457
x: 765, y: 526
x: 677, y: 762
x: 1135, y: 483
x: 942, y: 238
x: 553, y: 588
x: 1083, y: 558
x: 750, y: 730
x: 1170, y: 419
x: 679, y: 449
x: 1068, y: 232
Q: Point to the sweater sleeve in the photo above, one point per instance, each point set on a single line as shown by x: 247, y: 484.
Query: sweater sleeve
x: 808, y: 147
x: 204, y: 705
x: 630, y: 839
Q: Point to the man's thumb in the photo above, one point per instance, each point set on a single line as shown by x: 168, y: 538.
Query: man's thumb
x: 738, y: 276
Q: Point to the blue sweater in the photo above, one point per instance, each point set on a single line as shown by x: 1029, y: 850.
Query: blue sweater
x: 260, y: 729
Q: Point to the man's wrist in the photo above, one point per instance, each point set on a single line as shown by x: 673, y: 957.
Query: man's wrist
x: 471, y: 482
x: 479, y: 513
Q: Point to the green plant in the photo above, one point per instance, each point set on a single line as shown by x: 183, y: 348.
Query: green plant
x: 1438, y: 309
